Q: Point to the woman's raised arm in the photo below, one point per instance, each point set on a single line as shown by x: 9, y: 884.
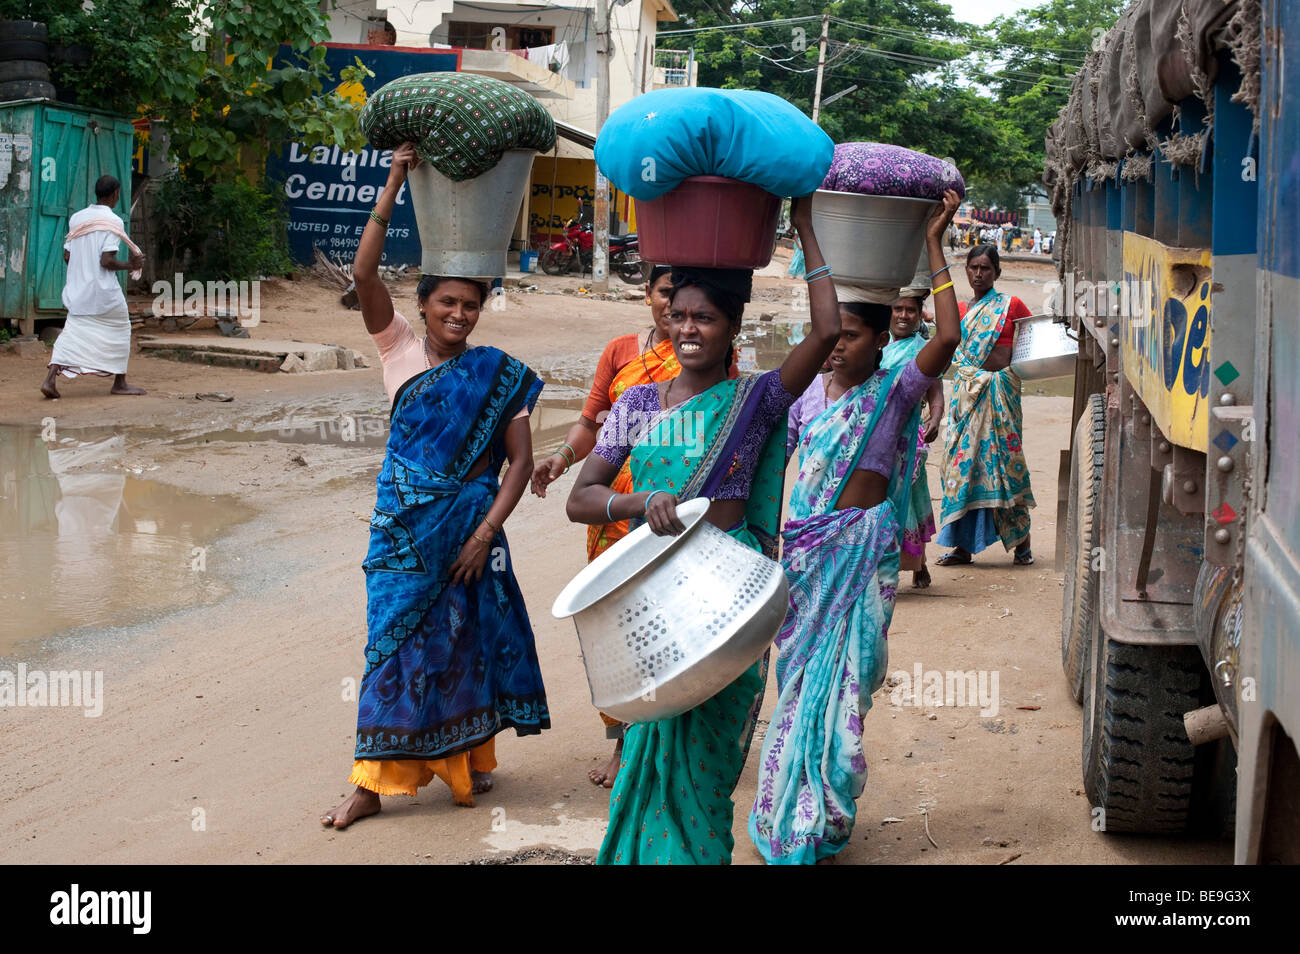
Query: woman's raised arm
x: 809, y: 355
x: 376, y: 303
x: 934, y: 358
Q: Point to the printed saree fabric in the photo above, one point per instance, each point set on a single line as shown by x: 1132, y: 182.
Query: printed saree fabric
x: 671, y: 802
x: 447, y: 667
x: 658, y: 364
x: 918, y: 522
x: 983, y: 460
x: 842, y: 566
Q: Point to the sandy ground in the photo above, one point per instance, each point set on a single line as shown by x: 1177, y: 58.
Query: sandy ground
x: 228, y: 720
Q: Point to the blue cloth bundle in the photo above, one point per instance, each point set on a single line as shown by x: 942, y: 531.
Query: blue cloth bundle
x: 650, y: 144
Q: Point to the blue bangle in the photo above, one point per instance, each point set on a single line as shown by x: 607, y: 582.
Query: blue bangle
x: 817, y: 273
x: 609, y: 517
x: 646, y: 509
x: 944, y: 269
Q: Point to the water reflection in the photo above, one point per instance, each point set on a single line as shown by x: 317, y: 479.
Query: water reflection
x: 83, y: 543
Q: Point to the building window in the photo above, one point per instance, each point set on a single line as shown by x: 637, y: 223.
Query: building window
x: 478, y: 36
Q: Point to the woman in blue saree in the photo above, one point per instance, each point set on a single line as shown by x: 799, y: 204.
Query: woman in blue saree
x: 986, y: 494
x: 671, y: 802
x: 450, y: 658
x: 841, y: 555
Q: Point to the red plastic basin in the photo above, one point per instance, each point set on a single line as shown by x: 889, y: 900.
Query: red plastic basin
x: 709, y: 222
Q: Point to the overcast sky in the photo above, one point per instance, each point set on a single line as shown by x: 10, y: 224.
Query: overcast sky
x: 982, y: 11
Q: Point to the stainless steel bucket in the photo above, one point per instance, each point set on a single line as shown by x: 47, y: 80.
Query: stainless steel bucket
x: 1043, y: 348
x: 465, y: 227
x: 871, y: 239
x: 666, y: 623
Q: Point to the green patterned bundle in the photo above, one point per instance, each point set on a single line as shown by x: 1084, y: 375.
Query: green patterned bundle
x: 461, y: 123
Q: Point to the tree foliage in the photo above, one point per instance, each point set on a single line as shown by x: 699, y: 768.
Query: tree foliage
x: 983, y: 96
x: 207, y: 70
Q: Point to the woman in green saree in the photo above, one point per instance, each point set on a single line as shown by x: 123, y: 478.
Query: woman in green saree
x: 701, y: 434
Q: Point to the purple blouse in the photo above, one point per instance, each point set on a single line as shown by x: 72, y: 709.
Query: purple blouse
x: 878, y: 456
x: 636, y: 407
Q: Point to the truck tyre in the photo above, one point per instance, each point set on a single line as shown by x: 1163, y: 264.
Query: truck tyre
x: 1082, y: 535
x: 1138, y: 763
x: 13, y: 70
x: 25, y: 89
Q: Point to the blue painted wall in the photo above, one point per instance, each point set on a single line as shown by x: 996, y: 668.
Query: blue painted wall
x: 329, y: 193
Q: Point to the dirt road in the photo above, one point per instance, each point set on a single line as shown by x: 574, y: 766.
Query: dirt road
x: 227, y: 706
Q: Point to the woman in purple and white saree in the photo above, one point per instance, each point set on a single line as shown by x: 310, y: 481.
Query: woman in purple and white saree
x: 841, y: 556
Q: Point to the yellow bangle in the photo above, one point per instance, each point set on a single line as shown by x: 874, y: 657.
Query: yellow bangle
x: 941, y: 288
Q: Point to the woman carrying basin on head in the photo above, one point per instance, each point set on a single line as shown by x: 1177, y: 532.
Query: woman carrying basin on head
x: 857, y: 446
x: 986, y: 494
x: 672, y: 801
x: 450, y: 659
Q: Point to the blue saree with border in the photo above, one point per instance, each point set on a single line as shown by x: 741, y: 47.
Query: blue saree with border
x: 447, y: 667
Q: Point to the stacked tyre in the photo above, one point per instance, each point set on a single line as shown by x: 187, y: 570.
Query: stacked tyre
x: 24, y: 61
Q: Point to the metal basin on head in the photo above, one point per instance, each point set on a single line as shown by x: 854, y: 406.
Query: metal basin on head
x: 870, y: 239
x: 666, y: 623
x: 466, y: 227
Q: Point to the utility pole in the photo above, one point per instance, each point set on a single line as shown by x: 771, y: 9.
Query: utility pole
x: 821, y: 64
x: 600, y: 227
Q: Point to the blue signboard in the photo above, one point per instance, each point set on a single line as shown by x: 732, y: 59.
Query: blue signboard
x: 328, y: 192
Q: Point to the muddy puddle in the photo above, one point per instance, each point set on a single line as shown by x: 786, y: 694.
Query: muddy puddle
x: 86, y: 542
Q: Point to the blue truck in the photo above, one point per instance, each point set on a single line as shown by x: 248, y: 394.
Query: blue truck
x: 1174, y: 171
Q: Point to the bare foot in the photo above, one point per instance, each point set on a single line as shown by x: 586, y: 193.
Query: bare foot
x: 47, y: 386
x: 921, y: 578
x: 121, y: 387
x: 482, y: 782
x: 359, y: 804
x: 606, y: 774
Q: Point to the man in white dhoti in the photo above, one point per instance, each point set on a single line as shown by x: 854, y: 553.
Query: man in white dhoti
x: 96, y: 339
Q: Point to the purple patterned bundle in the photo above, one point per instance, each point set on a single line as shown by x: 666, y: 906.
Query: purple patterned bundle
x: 875, y: 168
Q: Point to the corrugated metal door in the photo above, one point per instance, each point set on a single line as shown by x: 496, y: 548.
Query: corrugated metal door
x: 76, y: 148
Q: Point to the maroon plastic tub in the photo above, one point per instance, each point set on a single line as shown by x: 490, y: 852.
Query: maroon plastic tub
x: 709, y: 222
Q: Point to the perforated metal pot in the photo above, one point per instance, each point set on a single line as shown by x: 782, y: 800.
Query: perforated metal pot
x: 666, y: 623
x: 1043, y: 348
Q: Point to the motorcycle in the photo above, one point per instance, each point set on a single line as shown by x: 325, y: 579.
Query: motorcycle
x: 575, y: 250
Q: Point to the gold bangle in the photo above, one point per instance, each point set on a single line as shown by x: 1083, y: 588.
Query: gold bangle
x: 492, y: 526
x: 942, y: 287
x: 481, y: 540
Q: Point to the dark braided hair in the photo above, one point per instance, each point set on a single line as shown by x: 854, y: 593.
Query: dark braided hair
x: 991, y: 253
x: 875, y: 317
x: 726, y: 289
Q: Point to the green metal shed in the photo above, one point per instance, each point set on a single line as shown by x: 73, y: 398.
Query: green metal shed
x: 50, y: 156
